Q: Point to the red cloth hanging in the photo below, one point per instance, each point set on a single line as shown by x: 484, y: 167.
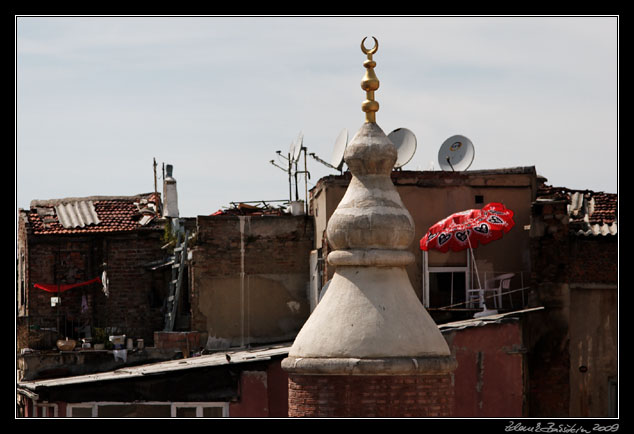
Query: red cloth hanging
x: 62, y: 288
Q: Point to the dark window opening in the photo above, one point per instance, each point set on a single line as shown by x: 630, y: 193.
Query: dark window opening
x: 446, y: 288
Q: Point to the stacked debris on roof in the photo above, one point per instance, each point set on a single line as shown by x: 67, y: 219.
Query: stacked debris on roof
x: 242, y: 208
x: 94, y: 214
x: 590, y: 213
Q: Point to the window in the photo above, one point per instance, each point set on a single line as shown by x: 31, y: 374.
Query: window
x: 79, y: 410
x: 447, y: 286
x: 202, y: 409
x: 148, y: 409
x: 125, y: 409
x: 45, y: 410
x: 446, y: 276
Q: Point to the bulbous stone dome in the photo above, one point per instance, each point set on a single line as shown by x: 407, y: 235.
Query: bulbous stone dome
x: 371, y: 214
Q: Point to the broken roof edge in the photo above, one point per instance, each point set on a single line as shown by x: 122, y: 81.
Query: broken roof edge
x: 486, y: 320
x: 53, y: 202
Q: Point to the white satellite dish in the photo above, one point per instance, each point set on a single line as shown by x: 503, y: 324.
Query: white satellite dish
x: 340, y: 147
x: 456, y: 154
x: 297, y: 146
x: 405, y: 142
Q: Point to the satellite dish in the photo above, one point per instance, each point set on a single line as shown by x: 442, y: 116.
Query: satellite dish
x: 297, y: 146
x: 456, y: 154
x: 405, y: 142
x: 340, y: 147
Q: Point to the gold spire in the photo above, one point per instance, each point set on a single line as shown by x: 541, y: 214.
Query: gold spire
x: 370, y: 83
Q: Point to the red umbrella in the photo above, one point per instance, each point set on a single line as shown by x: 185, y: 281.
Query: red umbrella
x: 468, y: 229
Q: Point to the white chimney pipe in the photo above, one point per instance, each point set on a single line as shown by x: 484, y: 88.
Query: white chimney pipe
x: 170, y: 206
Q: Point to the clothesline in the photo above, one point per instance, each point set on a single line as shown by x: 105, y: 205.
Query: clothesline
x: 61, y: 288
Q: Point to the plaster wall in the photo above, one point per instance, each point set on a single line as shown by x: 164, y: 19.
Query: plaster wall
x: 249, y: 279
x: 593, y: 350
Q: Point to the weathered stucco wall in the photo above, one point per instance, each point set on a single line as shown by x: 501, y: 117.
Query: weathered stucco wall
x: 432, y: 196
x: 490, y: 380
x: 249, y: 278
x: 573, y: 348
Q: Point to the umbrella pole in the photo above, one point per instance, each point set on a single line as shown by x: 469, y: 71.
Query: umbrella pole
x: 482, y: 302
x: 485, y: 311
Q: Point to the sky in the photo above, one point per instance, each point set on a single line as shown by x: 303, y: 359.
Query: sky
x: 98, y: 98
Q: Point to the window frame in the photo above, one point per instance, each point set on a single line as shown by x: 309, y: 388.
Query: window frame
x: 466, y: 269
x: 174, y: 406
x: 40, y: 406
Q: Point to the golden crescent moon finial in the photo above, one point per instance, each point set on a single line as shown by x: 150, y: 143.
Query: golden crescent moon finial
x: 370, y: 82
x: 372, y: 50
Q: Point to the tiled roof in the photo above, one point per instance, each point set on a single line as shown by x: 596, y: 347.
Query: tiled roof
x: 111, y: 214
x: 590, y: 213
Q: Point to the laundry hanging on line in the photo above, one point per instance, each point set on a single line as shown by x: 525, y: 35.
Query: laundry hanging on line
x: 62, y: 288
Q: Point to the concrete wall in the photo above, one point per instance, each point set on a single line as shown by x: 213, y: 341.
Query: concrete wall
x: 249, y: 278
x: 432, y: 196
x: 573, y: 343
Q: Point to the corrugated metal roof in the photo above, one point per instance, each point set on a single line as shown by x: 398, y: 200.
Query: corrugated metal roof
x: 597, y: 229
x: 209, y: 360
x: 77, y: 214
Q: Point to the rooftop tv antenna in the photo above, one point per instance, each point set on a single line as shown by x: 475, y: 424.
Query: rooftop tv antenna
x: 297, y: 151
x: 336, y: 160
x: 405, y: 142
x: 292, y: 160
x: 296, y: 147
x: 456, y: 154
x: 289, y: 167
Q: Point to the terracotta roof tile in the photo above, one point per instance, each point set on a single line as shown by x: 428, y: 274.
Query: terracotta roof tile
x: 594, y: 211
x: 115, y: 214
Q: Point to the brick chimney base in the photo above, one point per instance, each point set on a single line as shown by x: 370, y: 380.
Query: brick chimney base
x: 370, y: 395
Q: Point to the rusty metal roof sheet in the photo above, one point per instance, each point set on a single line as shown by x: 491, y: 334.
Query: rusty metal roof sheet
x: 485, y: 320
x: 209, y: 360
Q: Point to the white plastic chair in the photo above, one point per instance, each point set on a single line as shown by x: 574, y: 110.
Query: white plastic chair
x: 497, y: 288
x: 473, y: 298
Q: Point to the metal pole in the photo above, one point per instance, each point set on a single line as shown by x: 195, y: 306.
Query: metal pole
x: 305, y: 180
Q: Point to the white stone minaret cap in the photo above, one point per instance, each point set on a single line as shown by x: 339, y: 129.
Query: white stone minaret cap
x: 370, y: 309
x: 370, y: 319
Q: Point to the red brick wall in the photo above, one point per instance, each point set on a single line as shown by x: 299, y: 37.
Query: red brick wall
x: 370, y: 396
x: 273, y: 244
x: 133, y: 287
x: 184, y: 341
x: 594, y: 259
x: 72, y: 259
